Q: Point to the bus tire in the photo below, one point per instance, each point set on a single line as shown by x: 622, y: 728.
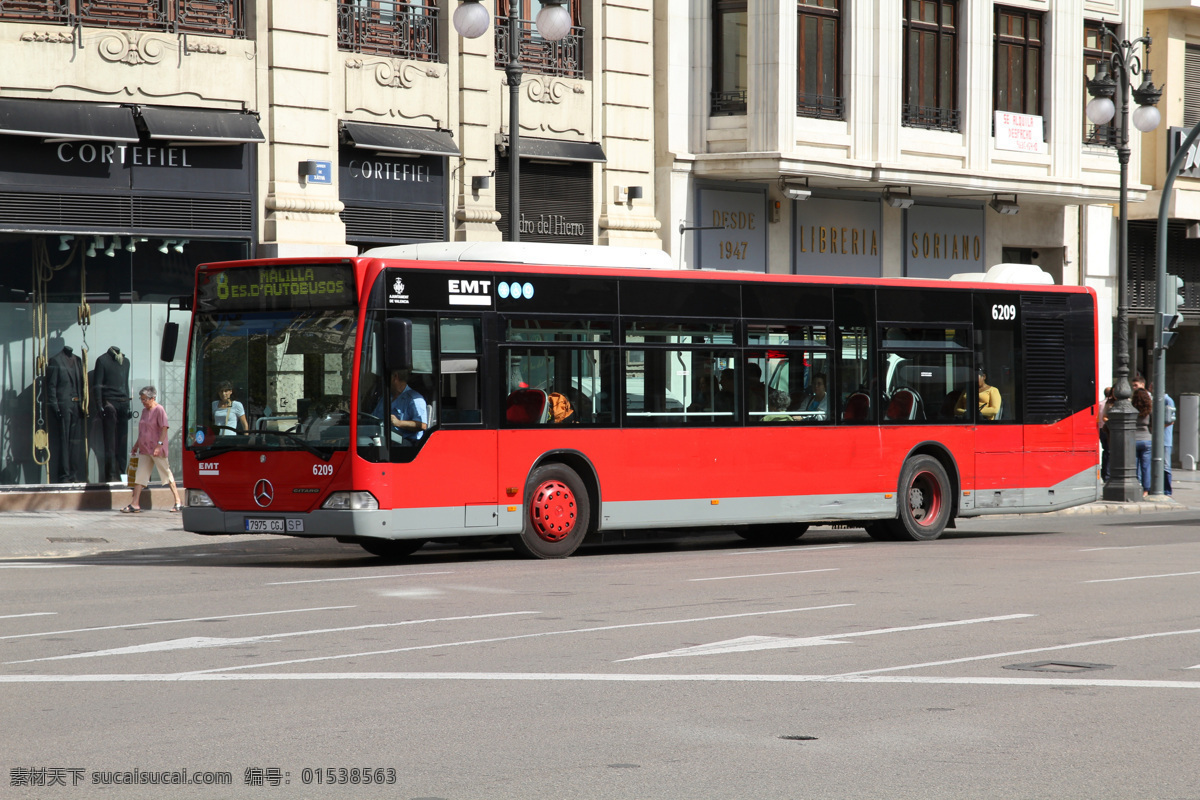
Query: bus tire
x: 924, y: 503
x: 391, y: 548
x: 557, y: 513
x: 774, y: 533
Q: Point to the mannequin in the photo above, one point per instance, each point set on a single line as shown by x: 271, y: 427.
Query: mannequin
x: 112, y: 401
x: 64, y: 390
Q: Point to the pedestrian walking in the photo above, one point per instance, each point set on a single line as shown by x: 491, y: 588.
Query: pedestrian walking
x: 151, y: 450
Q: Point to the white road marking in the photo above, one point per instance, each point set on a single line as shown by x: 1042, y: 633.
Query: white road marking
x: 1095, y: 549
x: 34, y: 614
x: 195, y: 642
x: 520, y: 636
x: 576, y: 677
x: 360, y: 578
x: 750, y: 643
x: 41, y: 566
x: 1143, y: 577
x: 173, y: 621
x: 762, y: 575
x: 774, y: 550
x: 1012, y: 653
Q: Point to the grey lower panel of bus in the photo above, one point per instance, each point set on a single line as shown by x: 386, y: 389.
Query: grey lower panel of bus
x: 1082, y: 488
x: 427, y: 523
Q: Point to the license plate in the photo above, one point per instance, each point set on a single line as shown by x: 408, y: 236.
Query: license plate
x: 273, y: 525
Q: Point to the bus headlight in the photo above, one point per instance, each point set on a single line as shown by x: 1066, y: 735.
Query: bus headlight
x: 195, y: 498
x: 351, y: 501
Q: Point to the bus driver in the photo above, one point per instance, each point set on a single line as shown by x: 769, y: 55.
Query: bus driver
x: 408, y: 412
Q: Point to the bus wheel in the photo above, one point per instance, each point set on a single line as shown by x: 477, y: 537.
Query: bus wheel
x: 925, y: 501
x: 391, y: 548
x: 776, y: 533
x: 557, y: 513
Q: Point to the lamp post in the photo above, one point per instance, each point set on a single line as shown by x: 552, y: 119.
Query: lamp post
x: 553, y: 24
x: 1112, y: 97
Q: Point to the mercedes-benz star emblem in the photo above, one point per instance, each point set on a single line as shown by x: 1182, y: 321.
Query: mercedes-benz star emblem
x: 264, y: 493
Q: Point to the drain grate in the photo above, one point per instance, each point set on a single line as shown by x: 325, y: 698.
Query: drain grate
x: 1059, y: 666
x: 799, y: 738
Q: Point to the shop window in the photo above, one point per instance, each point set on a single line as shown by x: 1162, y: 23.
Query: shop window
x: 931, y: 64
x: 563, y: 58
x: 819, y: 59
x: 399, y: 28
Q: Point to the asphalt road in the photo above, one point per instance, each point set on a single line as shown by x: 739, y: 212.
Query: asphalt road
x: 1038, y: 657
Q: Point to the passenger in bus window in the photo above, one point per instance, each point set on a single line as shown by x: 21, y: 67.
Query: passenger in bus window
x: 725, y: 400
x: 229, y: 416
x: 989, y: 397
x: 777, y: 403
x: 756, y: 391
x: 409, y: 414
x: 702, y: 386
x: 815, y: 406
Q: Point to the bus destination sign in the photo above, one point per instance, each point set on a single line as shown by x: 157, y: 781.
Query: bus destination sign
x: 276, y: 288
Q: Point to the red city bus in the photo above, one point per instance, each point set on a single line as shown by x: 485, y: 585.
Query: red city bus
x: 563, y: 398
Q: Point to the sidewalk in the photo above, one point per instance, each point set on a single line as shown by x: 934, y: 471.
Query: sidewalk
x: 67, y: 533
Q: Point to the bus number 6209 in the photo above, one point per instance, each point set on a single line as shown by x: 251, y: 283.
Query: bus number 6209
x: 322, y: 469
x: 1001, y: 311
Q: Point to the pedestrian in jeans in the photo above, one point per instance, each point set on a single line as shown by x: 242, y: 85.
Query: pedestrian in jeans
x: 151, y: 448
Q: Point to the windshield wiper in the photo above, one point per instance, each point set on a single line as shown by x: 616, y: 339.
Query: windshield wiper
x: 323, y: 453
x: 215, y: 450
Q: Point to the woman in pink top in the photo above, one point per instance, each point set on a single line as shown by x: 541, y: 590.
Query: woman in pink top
x: 151, y: 448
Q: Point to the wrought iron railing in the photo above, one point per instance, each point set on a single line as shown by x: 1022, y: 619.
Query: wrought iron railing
x: 933, y: 118
x: 563, y: 58
x: 400, y: 28
x: 820, y: 106
x: 725, y: 104
x: 209, y: 17
x: 1105, y: 135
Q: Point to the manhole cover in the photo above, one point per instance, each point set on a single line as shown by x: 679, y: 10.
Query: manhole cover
x: 1059, y: 666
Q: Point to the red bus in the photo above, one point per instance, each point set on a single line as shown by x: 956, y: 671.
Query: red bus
x: 563, y: 399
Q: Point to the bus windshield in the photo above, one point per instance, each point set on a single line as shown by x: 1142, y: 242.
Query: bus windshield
x: 270, y: 380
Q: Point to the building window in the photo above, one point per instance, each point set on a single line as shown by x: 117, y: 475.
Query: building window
x: 208, y: 17
x: 1095, y: 50
x: 400, y: 28
x: 819, y: 59
x: 729, y: 57
x: 1191, y: 86
x: 931, y: 64
x: 563, y: 58
x: 1018, y: 67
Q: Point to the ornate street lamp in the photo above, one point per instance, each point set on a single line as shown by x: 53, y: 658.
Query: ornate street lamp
x: 553, y: 23
x: 1111, y: 96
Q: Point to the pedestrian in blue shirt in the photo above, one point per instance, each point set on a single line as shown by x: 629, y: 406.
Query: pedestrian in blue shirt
x: 409, y: 415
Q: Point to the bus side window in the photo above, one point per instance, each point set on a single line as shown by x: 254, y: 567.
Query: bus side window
x: 461, y: 350
x: 996, y: 353
x: 853, y: 376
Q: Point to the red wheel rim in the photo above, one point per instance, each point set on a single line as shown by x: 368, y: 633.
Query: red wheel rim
x: 552, y: 511
x: 924, y: 499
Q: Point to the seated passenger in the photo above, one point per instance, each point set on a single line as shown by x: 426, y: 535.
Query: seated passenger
x: 560, y: 409
x: 815, y: 406
x: 778, y: 403
x: 989, y: 397
x: 728, y: 392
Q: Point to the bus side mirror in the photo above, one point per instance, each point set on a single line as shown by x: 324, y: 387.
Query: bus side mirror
x: 399, y: 344
x: 169, y: 340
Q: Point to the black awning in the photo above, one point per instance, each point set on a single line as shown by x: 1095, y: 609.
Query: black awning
x: 52, y: 119
x: 197, y: 125
x: 395, y: 139
x: 554, y: 150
